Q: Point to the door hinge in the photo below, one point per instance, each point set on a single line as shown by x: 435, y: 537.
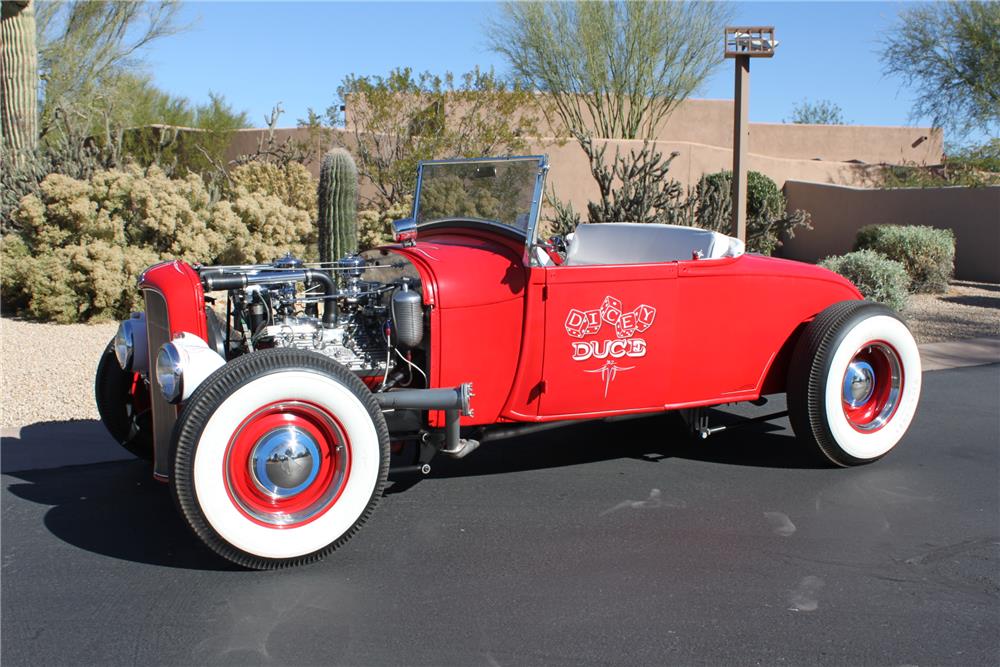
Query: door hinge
x: 545, y: 292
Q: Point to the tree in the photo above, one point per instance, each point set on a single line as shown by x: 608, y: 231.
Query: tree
x: 612, y: 70
x: 950, y: 52
x: 397, y: 120
x: 19, y: 73
x: 86, y: 45
x: 820, y: 112
x: 150, y: 121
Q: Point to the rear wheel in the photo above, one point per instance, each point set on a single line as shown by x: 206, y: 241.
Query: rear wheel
x: 280, y: 456
x: 854, y: 382
x: 123, y: 404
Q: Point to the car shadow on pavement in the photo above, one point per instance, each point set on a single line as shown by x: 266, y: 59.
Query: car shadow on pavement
x: 654, y: 439
x: 108, y: 507
x: 103, y: 500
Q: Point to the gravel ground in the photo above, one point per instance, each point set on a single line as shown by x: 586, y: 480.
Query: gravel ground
x: 967, y: 310
x: 30, y: 352
x: 47, y: 370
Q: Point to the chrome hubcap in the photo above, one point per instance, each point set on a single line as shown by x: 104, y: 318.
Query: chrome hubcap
x: 284, y: 462
x: 859, y: 383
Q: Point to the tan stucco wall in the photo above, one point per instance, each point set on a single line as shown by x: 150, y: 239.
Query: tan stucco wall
x: 570, y: 174
x: 838, y: 212
x: 710, y: 122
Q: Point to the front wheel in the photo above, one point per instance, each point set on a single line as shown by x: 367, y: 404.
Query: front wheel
x: 854, y: 382
x: 123, y: 405
x: 280, y: 456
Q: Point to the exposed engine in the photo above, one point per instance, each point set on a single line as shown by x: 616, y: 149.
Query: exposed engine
x: 367, y: 315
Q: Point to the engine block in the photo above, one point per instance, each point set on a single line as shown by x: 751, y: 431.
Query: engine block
x: 361, y: 324
x: 350, y: 344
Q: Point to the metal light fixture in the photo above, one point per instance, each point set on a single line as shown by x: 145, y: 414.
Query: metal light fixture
x: 741, y: 44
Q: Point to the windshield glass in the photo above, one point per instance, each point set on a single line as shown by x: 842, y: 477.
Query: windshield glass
x: 493, y: 191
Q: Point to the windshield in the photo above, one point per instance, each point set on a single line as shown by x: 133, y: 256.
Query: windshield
x: 498, y: 192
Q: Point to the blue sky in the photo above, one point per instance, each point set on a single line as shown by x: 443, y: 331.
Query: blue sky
x: 259, y: 53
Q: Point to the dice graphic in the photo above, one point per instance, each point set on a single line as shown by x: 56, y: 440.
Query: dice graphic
x: 575, y: 321
x: 626, y: 324
x: 593, y: 322
x: 580, y: 323
x: 611, y: 309
x: 644, y: 316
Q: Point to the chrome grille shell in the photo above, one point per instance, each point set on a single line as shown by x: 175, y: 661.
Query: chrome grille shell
x: 164, y: 414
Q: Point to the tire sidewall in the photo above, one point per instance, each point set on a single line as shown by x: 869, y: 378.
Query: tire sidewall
x: 868, y: 326
x: 215, y: 412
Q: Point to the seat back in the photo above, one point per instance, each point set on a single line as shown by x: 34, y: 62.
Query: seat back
x: 633, y: 243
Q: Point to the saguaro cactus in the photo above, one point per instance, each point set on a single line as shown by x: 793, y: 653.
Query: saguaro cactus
x: 19, y: 74
x: 338, y: 201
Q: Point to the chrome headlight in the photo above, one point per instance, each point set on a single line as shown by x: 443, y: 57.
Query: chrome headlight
x: 124, y: 344
x: 183, y: 364
x: 170, y: 372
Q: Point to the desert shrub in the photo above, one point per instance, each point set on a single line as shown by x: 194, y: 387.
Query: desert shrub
x: 81, y: 244
x: 375, y: 224
x: 560, y: 219
x: 290, y: 182
x: 710, y: 206
x: 876, y: 276
x: 927, y: 253
x: 634, y: 188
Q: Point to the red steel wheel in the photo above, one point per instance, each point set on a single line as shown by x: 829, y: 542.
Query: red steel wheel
x: 873, y: 384
x: 287, y: 463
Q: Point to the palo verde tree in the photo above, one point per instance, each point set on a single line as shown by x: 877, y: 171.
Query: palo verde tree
x: 820, y: 112
x: 612, y: 70
x: 86, y: 45
x: 950, y: 53
x: 397, y: 120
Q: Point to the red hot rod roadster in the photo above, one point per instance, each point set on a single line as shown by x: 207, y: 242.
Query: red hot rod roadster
x: 271, y: 408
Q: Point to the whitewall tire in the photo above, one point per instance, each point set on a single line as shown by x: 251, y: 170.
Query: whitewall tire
x: 854, y: 382
x: 280, y: 456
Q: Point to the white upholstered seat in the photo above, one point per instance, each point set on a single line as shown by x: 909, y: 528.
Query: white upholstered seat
x: 633, y: 243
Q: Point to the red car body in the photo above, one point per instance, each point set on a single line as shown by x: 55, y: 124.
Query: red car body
x: 506, y: 327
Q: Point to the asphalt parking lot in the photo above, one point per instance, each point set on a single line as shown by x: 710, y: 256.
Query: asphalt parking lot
x: 614, y: 543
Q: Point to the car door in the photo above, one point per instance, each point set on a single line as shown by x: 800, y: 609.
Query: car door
x: 609, y: 339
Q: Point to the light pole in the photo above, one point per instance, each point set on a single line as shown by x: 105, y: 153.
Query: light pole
x: 741, y: 44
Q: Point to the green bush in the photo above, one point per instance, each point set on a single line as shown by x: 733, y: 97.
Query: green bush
x: 876, y: 276
x: 927, y: 253
x: 710, y: 206
x: 81, y: 244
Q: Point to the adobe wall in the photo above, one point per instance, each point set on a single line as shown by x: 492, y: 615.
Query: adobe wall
x: 710, y: 122
x: 838, y: 212
x: 570, y: 173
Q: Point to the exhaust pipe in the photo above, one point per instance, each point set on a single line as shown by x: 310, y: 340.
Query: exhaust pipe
x: 455, y: 403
